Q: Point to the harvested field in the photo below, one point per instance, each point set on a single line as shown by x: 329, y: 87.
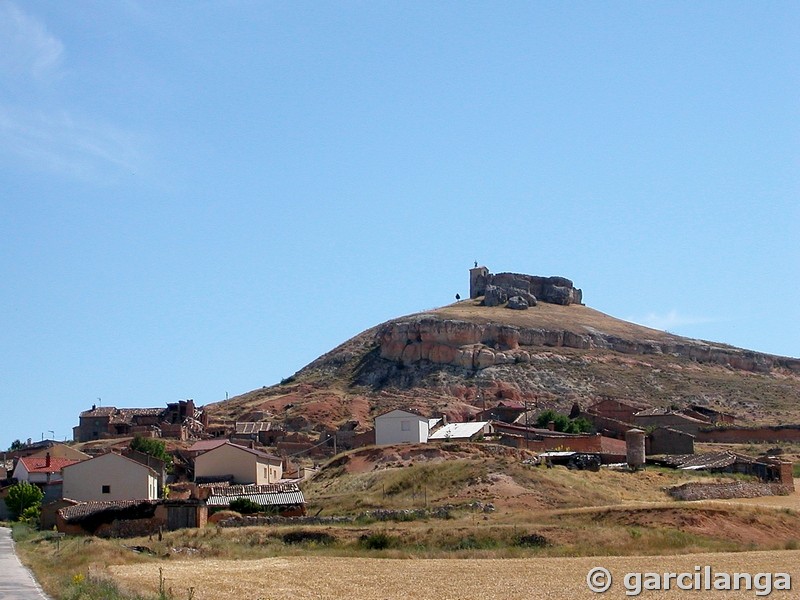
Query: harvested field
x: 300, y: 578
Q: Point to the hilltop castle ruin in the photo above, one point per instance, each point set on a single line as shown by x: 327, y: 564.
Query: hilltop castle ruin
x: 513, y: 287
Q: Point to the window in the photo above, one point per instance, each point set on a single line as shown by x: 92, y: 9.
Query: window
x: 405, y: 425
x: 106, y: 489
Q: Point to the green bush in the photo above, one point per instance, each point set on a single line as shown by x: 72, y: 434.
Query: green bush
x: 154, y: 448
x: 22, y: 496
x: 245, y: 506
x: 377, y: 540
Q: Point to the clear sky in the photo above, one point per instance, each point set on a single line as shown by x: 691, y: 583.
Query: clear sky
x: 199, y: 198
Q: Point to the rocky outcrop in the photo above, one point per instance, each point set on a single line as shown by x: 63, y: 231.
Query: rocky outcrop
x: 478, y: 346
x: 494, y: 296
x: 555, y: 290
x: 517, y: 303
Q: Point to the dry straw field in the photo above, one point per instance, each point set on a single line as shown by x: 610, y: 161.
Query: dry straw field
x: 307, y: 578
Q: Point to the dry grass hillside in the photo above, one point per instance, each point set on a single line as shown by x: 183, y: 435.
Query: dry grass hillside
x: 353, y: 382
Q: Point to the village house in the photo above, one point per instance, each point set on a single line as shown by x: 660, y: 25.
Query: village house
x: 714, y: 416
x: 109, y: 477
x: 665, y: 440
x: 52, y: 447
x: 540, y: 440
x: 130, y: 518
x: 238, y: 464
x: 611, y: 408
x: 401, y: 427
x: 201, y: 446
x: 666, y: 417
x: 178, y: 420
x: 507, y: 411
x: 41, y: 470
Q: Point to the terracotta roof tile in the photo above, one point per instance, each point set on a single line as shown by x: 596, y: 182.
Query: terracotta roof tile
x: 38, y: 464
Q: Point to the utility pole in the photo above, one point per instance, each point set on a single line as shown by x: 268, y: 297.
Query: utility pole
x: 526, y: 424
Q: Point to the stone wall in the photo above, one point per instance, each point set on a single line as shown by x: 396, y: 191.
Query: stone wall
x: 745, y: 435
x: 720, y: 491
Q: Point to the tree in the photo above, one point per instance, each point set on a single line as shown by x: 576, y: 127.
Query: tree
x: 15, y: 445
x: 154, y: 448
x: 22, y: 496
x: 563, y: 423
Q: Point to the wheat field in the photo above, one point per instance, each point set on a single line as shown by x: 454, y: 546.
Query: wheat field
x: 314, y: 577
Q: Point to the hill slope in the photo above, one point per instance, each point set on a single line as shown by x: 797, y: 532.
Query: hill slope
x: 457, y: 358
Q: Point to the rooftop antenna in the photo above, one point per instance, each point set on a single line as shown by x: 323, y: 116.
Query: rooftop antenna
x: 99, y: 402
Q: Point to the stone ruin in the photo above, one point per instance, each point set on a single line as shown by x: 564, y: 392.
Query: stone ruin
x: 518, y: 291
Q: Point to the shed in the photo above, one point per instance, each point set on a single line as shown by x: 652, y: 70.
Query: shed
x: 462, y: 431
x: 285, y: 499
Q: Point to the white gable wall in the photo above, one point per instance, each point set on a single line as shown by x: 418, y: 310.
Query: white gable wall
x: 400, y: 427
x: 109, y: 477
x: 244, y: 466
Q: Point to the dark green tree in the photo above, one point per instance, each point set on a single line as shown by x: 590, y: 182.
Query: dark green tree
x: 563, y: 423
x: 153, y: 447
x: 22, y: 496
x: 15, y: 445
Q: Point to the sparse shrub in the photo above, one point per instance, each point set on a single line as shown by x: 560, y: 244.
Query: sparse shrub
x: 304, y: 537
x: 472, y: 542
x: 377, y: 540
x: 532, y: 540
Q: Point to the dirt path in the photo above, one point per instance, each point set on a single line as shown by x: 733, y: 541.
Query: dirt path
x: 306, y: 578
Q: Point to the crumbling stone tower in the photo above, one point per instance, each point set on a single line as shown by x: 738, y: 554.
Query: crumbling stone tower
x: 477, y: 281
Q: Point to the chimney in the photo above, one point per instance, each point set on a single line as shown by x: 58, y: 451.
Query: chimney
x: 551, y: 425
x: 47, y: 460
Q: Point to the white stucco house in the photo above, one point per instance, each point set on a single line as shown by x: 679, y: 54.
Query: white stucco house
x: 109, y: 477
x: 401, y: 427
x: 41, y: 470
x: 244, y: 465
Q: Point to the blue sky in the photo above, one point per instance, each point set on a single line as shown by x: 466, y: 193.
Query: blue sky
x: 199, y: 198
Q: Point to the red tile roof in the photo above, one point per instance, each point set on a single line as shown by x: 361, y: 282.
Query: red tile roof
x: 38, y: 464
x: 205, y: 445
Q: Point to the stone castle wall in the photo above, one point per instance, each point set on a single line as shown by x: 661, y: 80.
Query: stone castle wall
x: 554, y: 290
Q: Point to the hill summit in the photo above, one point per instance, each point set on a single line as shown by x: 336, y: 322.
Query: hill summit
x: 524, y: 338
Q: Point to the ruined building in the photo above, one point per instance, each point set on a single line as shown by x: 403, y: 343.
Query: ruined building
x: 505, y: 287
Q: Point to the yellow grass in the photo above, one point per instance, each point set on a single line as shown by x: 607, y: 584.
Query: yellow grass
x: 301, y: 578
